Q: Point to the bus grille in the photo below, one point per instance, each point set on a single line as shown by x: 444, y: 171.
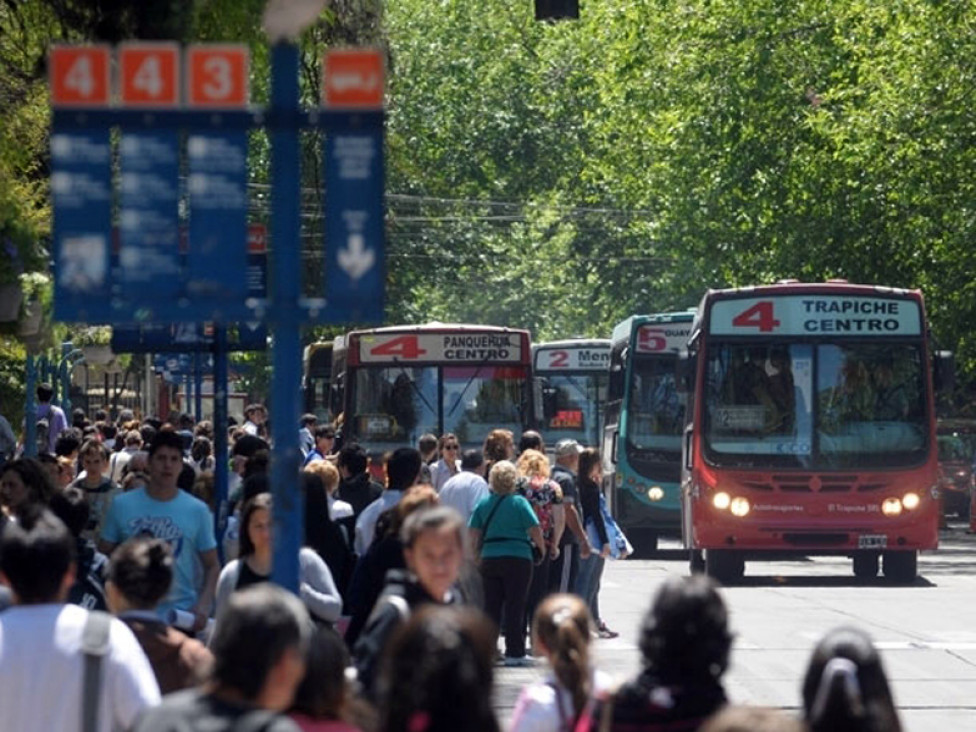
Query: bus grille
x: 811, y: 484
x: 815, y: 539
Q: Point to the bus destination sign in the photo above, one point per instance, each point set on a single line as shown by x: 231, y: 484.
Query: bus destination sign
x: 454, y: 347
x: 573, y: 358
x: 662, y: 337
x: 816, y: 315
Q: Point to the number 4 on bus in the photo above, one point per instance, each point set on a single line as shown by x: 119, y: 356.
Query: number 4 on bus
x: 758, y: 316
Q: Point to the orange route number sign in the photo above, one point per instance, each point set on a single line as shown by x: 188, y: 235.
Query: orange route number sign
x: 79, y: 75
x: 353, y: 78
x: 149, y: 74
x: 217, y: 75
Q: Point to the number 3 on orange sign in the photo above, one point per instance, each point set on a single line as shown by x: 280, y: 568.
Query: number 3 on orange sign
x: 218, y: 75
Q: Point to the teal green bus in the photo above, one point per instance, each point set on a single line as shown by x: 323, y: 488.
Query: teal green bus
x: 644, y: 420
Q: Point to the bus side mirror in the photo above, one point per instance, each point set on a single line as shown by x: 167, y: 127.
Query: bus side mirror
x: 549, y: 401
x: 685, y: 371
x: 538, y: 400
x: 944, y: 372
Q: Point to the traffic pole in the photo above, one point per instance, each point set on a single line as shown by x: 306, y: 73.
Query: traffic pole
x: 220, y: 453
x: 30, y: 410
x: 286, y: 361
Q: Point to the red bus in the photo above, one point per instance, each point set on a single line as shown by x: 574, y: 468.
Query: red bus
x: 810, y: 429
x: 394, y: 384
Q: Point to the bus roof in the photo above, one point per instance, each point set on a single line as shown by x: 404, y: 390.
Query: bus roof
x: 435, y: 327
x: 573, y: 343
x: 622, y: 330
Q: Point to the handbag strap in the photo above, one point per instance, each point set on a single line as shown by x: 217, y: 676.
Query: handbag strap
x: 491, y: 515
x: 94, y: 646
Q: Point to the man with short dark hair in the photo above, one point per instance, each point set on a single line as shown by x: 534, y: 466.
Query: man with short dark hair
x: 163, y: 511
x: 573, y: 545
x: 402, y: 471
x: 356, y: 488
x: 54, y: 417
x: 466, y: 489
x: 42, y: 664
x: 324, y: 440
x: 251, y: 681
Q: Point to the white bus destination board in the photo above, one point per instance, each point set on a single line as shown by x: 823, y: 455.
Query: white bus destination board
x: 573, y: 358
x: 466, y: 347
x: 662, y: 337
x: 816, y: 315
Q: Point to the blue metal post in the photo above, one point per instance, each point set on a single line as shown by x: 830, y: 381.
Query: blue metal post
x: 187, y: 391
x: 197, y: 386
x: 221, y: 455
x: 285, y: 290
x: 30, y: 410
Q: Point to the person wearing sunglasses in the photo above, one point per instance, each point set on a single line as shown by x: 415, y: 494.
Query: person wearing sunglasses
x: 449, y: 464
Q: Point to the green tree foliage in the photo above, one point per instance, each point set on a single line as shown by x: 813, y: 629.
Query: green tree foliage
x: 562, y: 176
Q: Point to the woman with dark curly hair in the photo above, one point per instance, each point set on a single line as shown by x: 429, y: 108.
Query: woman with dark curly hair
x: 845, y: 688
x: 438, y: 674
x: 684, y: 645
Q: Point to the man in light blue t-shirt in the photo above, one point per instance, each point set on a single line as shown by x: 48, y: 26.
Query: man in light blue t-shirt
x: 165, y: 512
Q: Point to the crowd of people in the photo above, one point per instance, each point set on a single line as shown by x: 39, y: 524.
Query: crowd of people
x: 121, y: 608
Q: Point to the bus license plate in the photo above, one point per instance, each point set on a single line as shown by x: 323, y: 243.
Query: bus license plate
x: 872, y: 541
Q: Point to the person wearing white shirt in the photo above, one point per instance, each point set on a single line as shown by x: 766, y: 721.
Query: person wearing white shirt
x: 448, y: 466
x: 466, y: 489
x: 402, y: 471
x: 41, y: 639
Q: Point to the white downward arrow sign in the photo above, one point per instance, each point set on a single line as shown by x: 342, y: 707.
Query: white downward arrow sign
x: 356, y: 260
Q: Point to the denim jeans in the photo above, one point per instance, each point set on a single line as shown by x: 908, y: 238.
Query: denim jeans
x: 588, y: 582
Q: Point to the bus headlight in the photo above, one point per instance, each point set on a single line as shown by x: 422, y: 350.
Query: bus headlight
x: 739, y: 506
x: 910, y: 501
x: 655, y: 493
x: 891, y: 507
x: 721, y: 501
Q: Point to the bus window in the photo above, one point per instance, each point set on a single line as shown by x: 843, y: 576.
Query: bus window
x: 759, y: 403
x: 395, y: 404
x: 478, y: 399
x: 872, y: 404
x: 655, y: 409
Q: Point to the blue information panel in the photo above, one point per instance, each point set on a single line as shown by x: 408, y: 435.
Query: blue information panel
x: 217, y: 256
x: 81, y: 194
x: 355, y: 268
x: 149, y: 256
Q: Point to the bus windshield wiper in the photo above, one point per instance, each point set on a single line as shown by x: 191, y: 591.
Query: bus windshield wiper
x: 416, y: 389
x: 477, y: 370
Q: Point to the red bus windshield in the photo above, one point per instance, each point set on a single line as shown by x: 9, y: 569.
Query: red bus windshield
x: 832, y: 406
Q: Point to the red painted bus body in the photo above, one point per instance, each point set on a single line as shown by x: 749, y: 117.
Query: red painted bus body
x: 811, y: 429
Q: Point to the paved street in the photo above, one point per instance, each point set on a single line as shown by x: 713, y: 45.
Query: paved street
x: 926, y: 632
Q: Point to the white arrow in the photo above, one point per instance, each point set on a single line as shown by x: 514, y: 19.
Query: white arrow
x: 356, y: 260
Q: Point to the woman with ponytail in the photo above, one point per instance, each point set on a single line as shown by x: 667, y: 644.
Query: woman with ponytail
x: 139, y: 576
x: 561, y: 633
x: 845, y: 688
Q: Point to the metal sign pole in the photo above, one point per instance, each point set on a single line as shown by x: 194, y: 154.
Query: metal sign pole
x: 286, y: 349
x: 220, y: 453
x: 30, y: 411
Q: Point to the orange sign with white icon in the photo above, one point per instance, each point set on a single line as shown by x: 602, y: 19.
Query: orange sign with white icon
x: 79, y: 76
x: 149, y: 74
x: 217, y: 75
x: 353, y: 78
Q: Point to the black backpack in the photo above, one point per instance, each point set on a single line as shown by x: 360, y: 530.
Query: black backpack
x: 43, y: 432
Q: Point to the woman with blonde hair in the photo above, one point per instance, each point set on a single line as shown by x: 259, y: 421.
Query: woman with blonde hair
x: 546, y: 498
x: 503, y: 531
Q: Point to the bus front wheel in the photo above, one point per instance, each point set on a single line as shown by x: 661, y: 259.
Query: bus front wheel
x: 724, y: 566
x: 866, y: 565
x: 900, y: 567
